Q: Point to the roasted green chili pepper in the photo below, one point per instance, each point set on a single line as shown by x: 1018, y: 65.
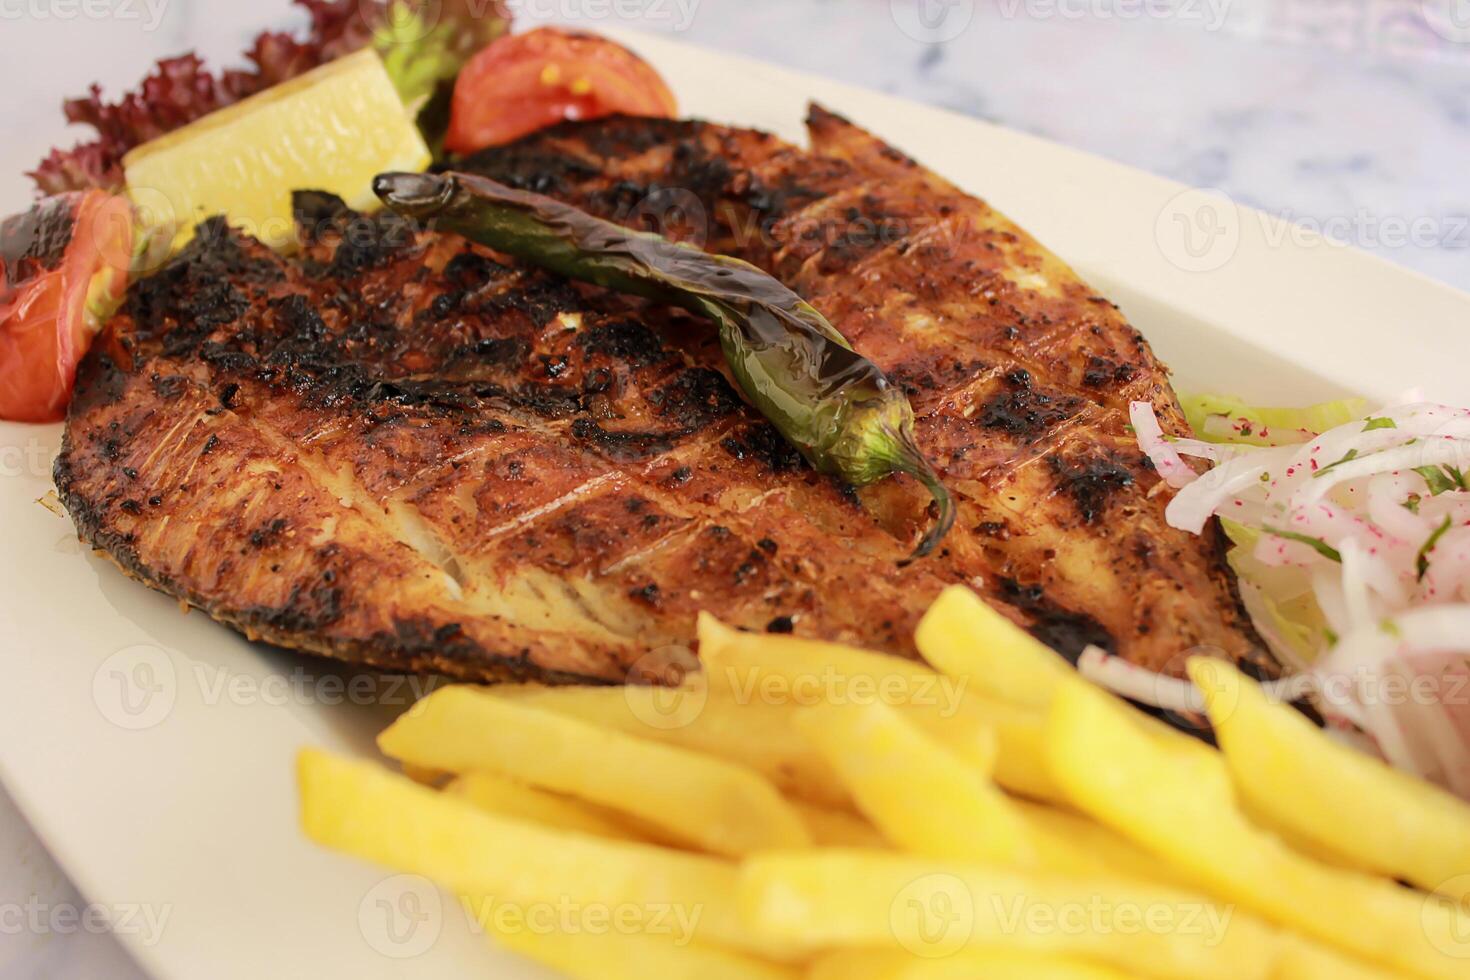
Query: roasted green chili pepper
x: 828, y: 401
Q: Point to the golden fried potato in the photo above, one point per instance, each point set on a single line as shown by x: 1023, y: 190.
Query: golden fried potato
x: 1181, y: 805
x: 934, y: 909
x: 1294, y: 776
x: 614, y: 955
x: 839, y: 828
x: 710, y: 803
x: 922, y: 797
x: 362, y: 809
x: 794, y: 671
x: 1303, y: 959
x: 496, y: 794
x: 753, y: 733
x: 858, y: 963
x: 962, y: 636
x: 1007, y: 964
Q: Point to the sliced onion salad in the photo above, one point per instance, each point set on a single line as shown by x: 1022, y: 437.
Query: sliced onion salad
x: 1352, y: 546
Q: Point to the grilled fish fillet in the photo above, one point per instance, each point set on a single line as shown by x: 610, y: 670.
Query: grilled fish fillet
x: 399, y: 449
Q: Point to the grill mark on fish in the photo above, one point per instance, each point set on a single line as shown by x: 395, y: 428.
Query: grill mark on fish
x: 432, y: 459
x: 1007, y: 357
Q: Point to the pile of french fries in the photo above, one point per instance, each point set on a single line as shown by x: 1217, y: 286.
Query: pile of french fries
x: 807, y: 809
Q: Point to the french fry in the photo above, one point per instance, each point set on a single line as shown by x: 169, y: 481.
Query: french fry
x: 432, y: 778
x: 496, y: 794
x: 934, y: 909
x: 1181, y: 806
x: 990, y: 964
x: 710, y: 803
x: 1004, y: 964
x: 613, y: 955
x: 755, y: 734
x: 839, y: 828
x: 363, y: 810
x: 1104, y: 850
x: 922, y: 797
x: 1302, y: 959
x: 930, y: 802
x: 962, y: 636
x: 860, y: 963
x: 969, y: 641
x: 1295, y: 777
x: 791, y: 670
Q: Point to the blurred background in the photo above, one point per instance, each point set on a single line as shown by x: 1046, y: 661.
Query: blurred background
x: 1349, y: 116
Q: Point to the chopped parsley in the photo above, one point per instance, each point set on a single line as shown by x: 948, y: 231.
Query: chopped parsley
x: 1423, y: 559
x: 1352, y: 454
x: 1380, y: 423
x: 1316, y: 544
x: 1442, y: 479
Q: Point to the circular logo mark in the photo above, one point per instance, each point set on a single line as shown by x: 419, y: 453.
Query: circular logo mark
x: 932, y: 21
x: 400, y: 23
x: 1450, y: 19
x: 154, y: 213
x: 401, y: 916
x: 674, y: 213
x: 136, y: 687
x: 933, y: 916
x: 1446, y: 921
x: 1198, y: 230
x: 665, y: 689
x: 1211, y: 667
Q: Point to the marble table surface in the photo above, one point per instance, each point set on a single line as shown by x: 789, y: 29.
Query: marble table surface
x: 1350, y: 116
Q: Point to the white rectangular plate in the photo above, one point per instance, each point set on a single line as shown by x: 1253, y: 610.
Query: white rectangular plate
x: 153, y: 751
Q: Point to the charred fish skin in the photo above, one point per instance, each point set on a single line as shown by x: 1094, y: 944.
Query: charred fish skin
x: 1020, y: 373
x: 399, y: 449
x: 404, y: 450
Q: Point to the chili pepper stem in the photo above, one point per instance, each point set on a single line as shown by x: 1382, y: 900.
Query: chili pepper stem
x: 911, y: 460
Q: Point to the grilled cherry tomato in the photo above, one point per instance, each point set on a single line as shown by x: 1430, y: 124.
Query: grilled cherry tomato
x: 63, y: 264
x: 523, y: 82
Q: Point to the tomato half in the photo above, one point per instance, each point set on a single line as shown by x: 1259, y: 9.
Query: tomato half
x: 523, y: 82
x: 61, y: 266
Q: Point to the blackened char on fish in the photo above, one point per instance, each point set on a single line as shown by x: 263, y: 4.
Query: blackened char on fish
x: 401, y: 449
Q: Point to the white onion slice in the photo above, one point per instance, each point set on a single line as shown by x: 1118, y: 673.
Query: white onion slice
x: 1371, y: 520
x: 1171, y: 466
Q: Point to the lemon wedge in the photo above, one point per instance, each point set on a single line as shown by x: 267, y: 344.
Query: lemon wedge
x: 331, y: 129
